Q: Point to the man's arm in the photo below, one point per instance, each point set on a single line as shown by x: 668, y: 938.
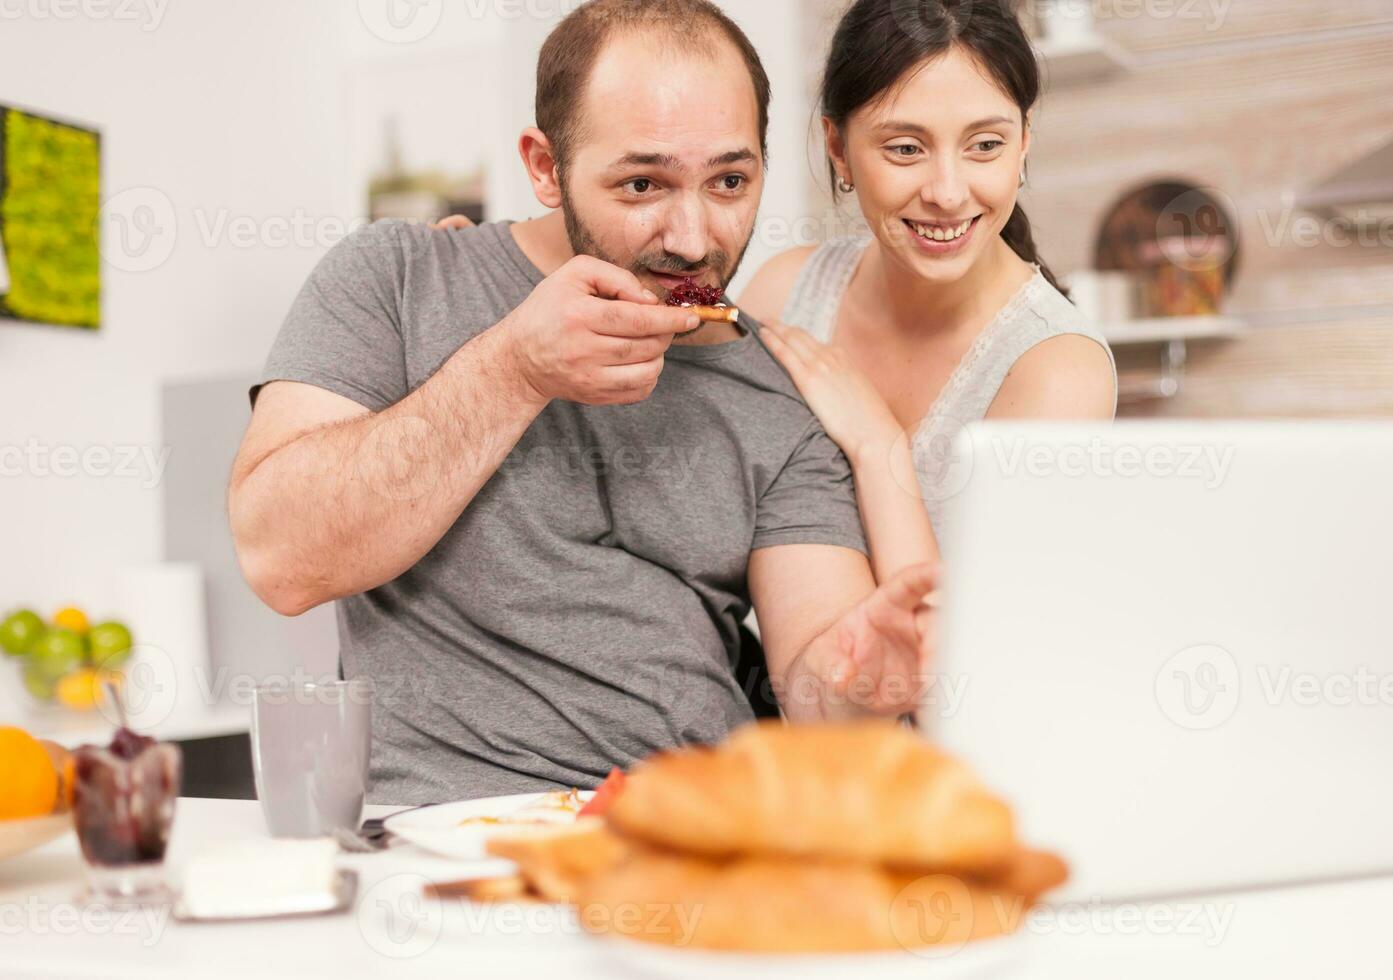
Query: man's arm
x: 328, y: 499
x: 837, y: 646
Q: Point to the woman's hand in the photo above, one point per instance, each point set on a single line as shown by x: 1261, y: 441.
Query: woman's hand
x: 453, y: 223
x: 844, y: 400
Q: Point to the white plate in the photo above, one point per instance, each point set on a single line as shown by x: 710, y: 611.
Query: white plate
x: 18, y: 836
x: 436, y: 828
x: 994, y: 958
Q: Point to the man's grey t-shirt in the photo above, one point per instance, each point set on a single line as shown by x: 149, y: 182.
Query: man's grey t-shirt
x: 582, y: 612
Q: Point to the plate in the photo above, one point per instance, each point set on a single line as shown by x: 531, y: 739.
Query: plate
x: 345, y: 887
x: 436, y: 828
x: 994, y: 958
x: 18, y: 836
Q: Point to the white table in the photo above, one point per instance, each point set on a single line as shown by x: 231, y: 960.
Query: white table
x: 1336, y: 931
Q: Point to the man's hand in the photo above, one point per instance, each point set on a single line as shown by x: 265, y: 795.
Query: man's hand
x: 591, y: 333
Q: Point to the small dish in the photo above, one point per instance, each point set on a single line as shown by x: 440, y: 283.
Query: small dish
x: 20, y: 836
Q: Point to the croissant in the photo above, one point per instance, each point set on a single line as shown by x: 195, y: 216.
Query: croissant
x: 781, y: 905
x: 553, y: 860
x: 869, y: 791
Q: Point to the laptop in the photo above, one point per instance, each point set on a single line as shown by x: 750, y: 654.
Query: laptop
x: 1170, y: 646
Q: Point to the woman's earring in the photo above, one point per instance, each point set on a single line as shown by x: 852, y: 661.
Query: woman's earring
x: 844, y: 186
x: 1022, y: 183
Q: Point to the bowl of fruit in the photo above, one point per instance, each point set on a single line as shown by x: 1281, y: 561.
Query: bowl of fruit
x: 36, y: 791
x: 66, y: 661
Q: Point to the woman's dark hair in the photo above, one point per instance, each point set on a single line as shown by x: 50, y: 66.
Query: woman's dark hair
x: 878, y: 41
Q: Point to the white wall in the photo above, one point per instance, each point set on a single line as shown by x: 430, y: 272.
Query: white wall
x: 222, y: 111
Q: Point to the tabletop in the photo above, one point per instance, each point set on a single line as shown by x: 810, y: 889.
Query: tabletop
x: 1335, y: 929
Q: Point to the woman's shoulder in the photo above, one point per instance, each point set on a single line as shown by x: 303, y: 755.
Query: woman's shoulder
x: 1059, y: 363
x: 1053, y: 314
x: 768, y: 291
x: 816, y: 272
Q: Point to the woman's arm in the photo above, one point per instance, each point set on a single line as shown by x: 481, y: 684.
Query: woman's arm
x: 892, y: 510
x: 860, y: 422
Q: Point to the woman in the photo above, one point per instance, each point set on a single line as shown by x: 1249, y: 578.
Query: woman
x: 947, y: 315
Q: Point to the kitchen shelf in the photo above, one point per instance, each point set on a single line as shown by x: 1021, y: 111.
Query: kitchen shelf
x: 71, y: 729
x: 1172, y: 333
x: 1160, y: 330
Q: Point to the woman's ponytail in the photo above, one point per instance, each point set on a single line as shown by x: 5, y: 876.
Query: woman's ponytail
x: 1018, y: 235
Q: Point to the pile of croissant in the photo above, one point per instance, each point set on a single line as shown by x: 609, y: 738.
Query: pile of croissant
x: 813, y: 838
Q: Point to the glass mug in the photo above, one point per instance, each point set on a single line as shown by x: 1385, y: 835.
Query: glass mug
x: 311, y: 748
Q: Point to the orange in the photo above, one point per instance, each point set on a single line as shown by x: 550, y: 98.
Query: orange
x: 71, y: 618
x: 28, y: 779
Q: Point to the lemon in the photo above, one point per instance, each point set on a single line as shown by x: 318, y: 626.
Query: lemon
x: 82, y: 689
x: 71, y: 618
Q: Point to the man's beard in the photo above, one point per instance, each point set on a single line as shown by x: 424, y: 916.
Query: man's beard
x: 583, y: 242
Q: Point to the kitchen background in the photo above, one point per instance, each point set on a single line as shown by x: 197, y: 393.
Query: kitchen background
x: 1215, y: 176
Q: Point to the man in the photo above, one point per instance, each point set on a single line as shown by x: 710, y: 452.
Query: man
x: 543, y: 499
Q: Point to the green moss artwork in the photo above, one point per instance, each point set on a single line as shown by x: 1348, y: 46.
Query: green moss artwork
x: 50, y: 198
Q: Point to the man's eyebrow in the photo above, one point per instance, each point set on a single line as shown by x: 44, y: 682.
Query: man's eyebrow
x: 665, y: 160
x: 669, y: 162
x: 734, y: 156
